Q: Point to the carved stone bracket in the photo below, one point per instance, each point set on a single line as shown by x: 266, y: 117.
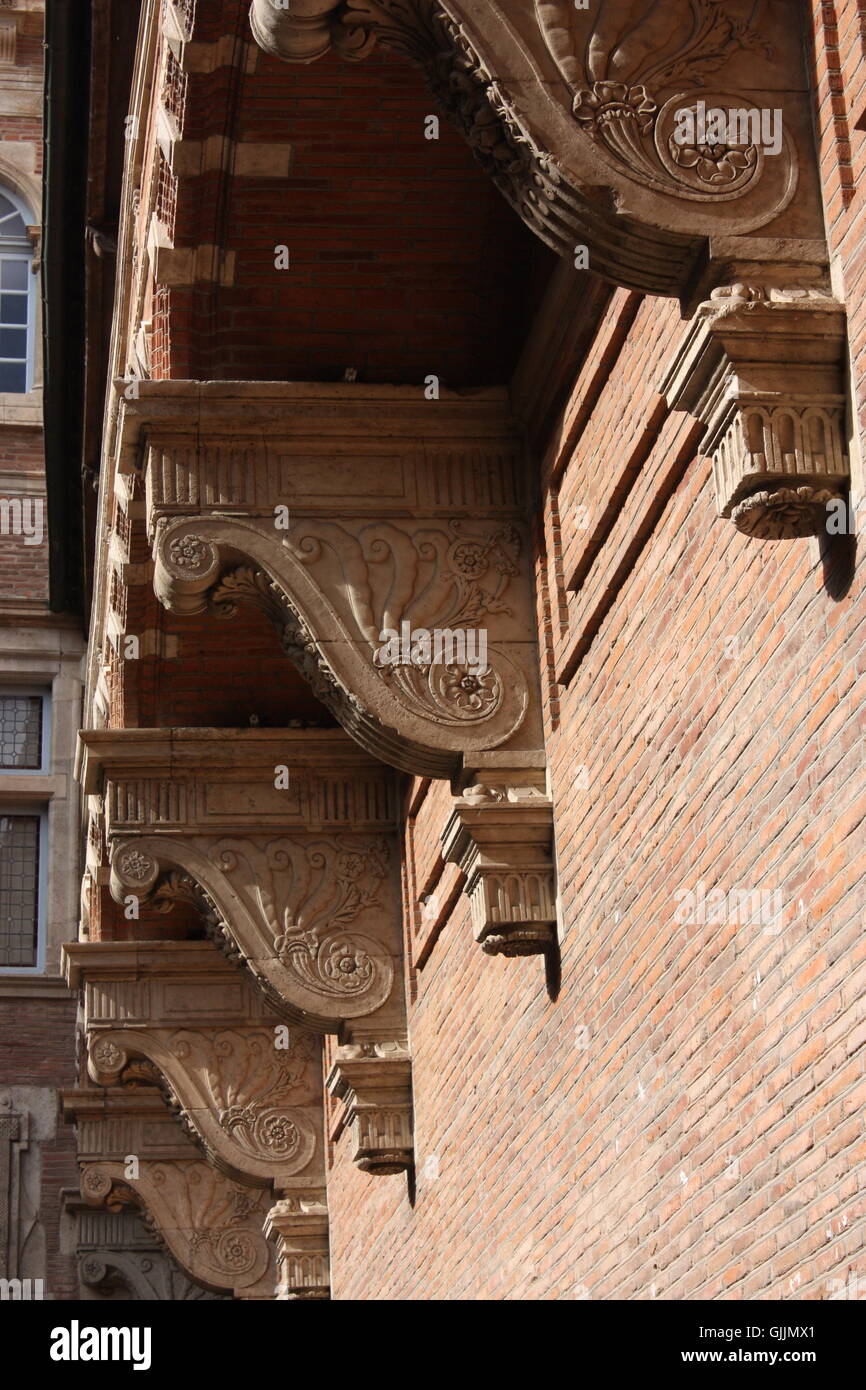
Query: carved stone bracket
x: 211, y: 1225
x: 374, y: 1082
x: 282, y: 882
x: 383, y: 536
x: 119, y: 1258
x: 501, y: 839
x: 299, y: 1227
x: 763, y: 369
x: 592, y: 120
x: 249, y: 1091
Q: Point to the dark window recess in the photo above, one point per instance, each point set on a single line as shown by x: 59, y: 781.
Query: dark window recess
x: 19, y: 890
x: 20, y: 731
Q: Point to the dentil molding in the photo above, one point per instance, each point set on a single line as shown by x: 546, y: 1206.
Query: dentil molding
x: 764, y: 370
x: 298, y: 1227
x: 501, y: 838
x: 374, y: 1083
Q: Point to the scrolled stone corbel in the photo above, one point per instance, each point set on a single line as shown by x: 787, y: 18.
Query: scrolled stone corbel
x: 501, y: 839
x: 320, y: 973
x: 763, y: 369
x: 374, y: 1082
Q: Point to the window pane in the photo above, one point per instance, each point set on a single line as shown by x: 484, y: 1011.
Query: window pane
x: 13, y: 308
x: 13, y: 376
x: 19, y: 889
x: 13, y: 273
x: 21, y: 731
x: 12, y: 227
x: 13, y: 342
x: 6, y: 205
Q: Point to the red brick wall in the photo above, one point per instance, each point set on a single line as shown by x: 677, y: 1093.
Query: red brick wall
x: 840, y: 106
x: 404, y: 259
x: 23, y: 564
x: 686, y: 1116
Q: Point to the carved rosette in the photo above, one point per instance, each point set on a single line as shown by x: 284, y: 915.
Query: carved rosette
x: 374, y: 1082
x: 211, y: 1226
x: 307, y: 915
x: 249, y: 1104
x: 643, y: 72
x: 332, y: 591
x: 763, y: 369
x: 504, y: 848
x: 299, y: 1228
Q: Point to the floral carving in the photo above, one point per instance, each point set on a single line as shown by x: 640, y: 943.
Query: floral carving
x: 784, y: 513
x: 135, y: 866
x: 190, y: 554
x: 308, y: 893
x: 634, y: 59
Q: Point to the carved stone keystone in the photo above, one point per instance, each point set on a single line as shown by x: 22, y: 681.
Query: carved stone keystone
x: 299, y: 1227
x: 763, y: 369
x: 502, y: 841
x: 374, y: 1082
x: 212, y: 1226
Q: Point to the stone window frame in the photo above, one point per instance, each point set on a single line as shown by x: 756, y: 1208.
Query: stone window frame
x: 22, y: 249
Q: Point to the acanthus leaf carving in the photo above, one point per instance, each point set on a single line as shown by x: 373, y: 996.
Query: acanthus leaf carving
x: 253, y: 1108
x: 212, y: 1226
x: 363, y: 582
x: 306, y: 914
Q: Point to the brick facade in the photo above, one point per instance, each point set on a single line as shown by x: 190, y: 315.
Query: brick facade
x: 669, y: 1104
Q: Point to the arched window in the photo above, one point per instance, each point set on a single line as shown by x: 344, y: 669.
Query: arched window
x: 17, y: 296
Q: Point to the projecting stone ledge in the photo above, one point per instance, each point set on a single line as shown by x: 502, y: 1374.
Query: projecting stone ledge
x: 374, y: 1082
x: 501, y: 838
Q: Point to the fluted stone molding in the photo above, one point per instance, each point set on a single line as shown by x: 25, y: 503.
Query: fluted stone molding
x: 374, y: 1082
x: 249, y: 1089
x: 298, y: 1226
x: 764, y: 370
x: 300, y: 884
x: 573, y: 113
x: 343, y: 516
x: 501, y: 837
x: 212, y: 1226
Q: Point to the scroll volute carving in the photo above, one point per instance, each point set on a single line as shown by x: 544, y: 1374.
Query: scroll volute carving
x: 255, y: 1108
x: 213, y: 1227
x: 560, y: 102
x: 312, y: 917
x: 133, y: 1152
x: 333, y: 589
x: 280, y: 880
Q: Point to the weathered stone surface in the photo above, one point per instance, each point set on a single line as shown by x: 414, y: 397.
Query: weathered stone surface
x: 249, y: 1088
x: 132, y: 1151
x: 299, y: 881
